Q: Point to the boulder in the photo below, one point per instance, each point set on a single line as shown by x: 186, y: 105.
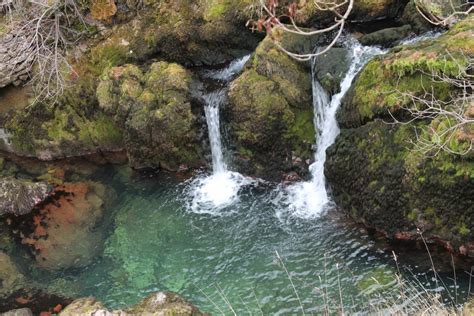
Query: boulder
x: 386, y: 37
x: 271, y: 112
x: 443, y: 12
x: 331, y: 67
x: 377, y: 172
x: 19, y: 197
x: 161, y: 303
x: 154, y: 109
x: 63, y: 229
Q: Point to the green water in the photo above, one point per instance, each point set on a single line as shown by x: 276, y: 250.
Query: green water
x: 154, y: 243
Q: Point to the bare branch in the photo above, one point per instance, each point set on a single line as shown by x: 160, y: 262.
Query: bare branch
x: 444, y: 21
x: 271, y: 19
x: 451, y: 120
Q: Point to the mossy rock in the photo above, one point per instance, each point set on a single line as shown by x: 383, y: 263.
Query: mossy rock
x: 378, y: 88
x: 270, y: 112
x: 154, y: 109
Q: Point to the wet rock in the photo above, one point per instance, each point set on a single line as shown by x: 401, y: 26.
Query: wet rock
x: 412, y: 17
x: 63, y: 230
x: 161, y: 303
x: 331, y: 67
x: 270, y: 111
x: 386, y: 37
x: 154, y: 108
x: 19, y: 197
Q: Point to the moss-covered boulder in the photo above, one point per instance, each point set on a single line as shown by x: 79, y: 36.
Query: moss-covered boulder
x: 154, y: 109
x: 441, y: 11
x: 378, y: 88
x: 271, y: 113
x: 380, y: 173
x: 386, y: 37
x: 187, y: 32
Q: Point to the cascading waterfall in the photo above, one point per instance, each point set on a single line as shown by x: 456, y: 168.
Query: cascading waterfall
x: 308, y: 199
x: 213, y: 193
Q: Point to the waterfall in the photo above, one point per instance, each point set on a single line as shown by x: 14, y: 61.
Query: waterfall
x: 308, y: 199
x: 213, y: 101
x: 211, y: 194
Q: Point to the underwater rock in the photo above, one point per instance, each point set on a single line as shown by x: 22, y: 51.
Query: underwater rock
x: 271, y: 112
x: 154, y: 108
x: 63, y: 229
x: 161, y: 303
x: 19, y: 197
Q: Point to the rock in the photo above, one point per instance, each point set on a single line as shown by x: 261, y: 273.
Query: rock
x: 37, y: 301
x: 376, y: 90
x: 19, y: 197
x: 18, y: 312
x: 271, y: 112
x: 412, y: 17
x: 331, y: 68
x: 377, y: 174
x: 161, y: 303
x: 386, y: 37
x: 363, y: 11
x: 154, y: 108
x: 63, y: 230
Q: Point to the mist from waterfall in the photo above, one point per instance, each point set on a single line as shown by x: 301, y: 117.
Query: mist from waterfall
x: 309, y: 199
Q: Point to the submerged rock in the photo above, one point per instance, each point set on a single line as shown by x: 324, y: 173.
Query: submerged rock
x: 271, y: 112
x: 19, y: 197
x: 154, y: 108
x: 11, y: 279
x: 63, y: 230
x: 161, y: 303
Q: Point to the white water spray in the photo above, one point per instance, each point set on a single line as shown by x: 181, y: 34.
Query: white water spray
x: 309, y: 199
x: 213, y: 193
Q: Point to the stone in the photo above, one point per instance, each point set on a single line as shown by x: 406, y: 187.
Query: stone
x: 64, y: 233
x: 154, y: 108
x: 161, y: 303
x: 386, y: 37
x: 270, y: 110
x: 19, y: 197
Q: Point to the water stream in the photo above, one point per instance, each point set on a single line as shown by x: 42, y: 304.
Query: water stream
x: 309, y: 199
x: 213, y: 238
x: 211, y: 194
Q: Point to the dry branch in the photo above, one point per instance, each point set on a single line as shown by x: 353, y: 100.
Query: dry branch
x: 271, y: 19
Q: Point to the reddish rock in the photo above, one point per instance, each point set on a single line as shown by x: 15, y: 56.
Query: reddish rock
x: 63, y: 234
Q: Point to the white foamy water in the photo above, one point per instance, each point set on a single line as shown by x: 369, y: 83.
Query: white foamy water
x: 423, y: 37
x: 309, y: 199
x: 211, y: 194
x: 226, y: 74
